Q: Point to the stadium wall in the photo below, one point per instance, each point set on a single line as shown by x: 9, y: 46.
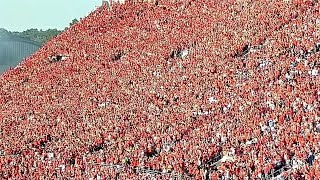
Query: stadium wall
x: 13, y: 50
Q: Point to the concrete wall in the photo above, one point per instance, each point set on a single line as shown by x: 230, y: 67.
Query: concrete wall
x: 13, y: 51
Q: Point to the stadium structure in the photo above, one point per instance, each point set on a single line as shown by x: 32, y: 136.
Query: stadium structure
x: 169, y: 90
x: 14, y: 49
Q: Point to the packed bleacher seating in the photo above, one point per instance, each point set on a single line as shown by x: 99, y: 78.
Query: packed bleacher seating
x: 170, y: 89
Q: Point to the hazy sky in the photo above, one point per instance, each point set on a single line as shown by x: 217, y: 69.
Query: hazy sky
x: 20, y: 15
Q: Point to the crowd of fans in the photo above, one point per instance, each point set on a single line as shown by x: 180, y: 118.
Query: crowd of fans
x: 169, y: 89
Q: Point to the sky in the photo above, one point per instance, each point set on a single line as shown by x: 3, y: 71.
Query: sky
x: 20, y: 15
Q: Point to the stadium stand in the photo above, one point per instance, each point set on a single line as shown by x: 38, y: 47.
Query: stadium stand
x: 169, y: 90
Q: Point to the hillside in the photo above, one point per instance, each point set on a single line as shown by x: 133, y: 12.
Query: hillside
x: 170, y: 87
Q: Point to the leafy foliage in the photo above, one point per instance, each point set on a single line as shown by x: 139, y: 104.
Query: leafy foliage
x: 4, y: 32
x: 74, y: 21
x: 37, y: 35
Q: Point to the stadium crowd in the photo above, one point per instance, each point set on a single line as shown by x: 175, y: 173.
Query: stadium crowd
x: 169, y: 89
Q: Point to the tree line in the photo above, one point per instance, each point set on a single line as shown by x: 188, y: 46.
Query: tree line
x: 34, y: 34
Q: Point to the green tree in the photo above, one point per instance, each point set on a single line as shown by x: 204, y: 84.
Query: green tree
x: 34, y: 34
x: 38, y: 35
x: 74, y: 21
x: 49, y: 34
x: 3, y: 32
